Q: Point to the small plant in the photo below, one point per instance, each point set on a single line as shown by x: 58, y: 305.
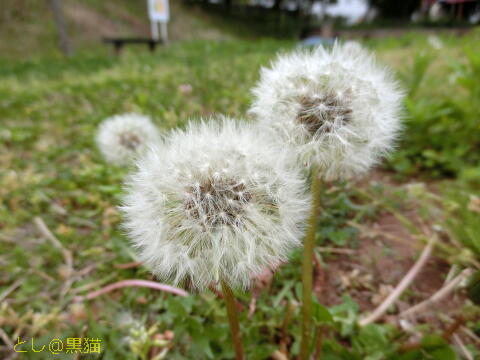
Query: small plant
x: 443, y: 127
x: 462, y: 215
x: 49, y: 111
x: 123, y: 137
x: 340, y: 113
x: 215, y: 205
x: 337, y: 110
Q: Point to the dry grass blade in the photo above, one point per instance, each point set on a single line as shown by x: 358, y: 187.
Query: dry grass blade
x: 42, y: 227
x: 67, y: 255
x: 466, y: 354
x: 284, y: 339
x: 333, y: 250
x: 11, y: 288
x: 6, y: 339
x: 439, y: 295
x: 402, y: 285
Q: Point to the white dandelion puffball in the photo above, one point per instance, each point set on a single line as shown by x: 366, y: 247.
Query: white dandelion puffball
x: 215, y: 202
x: 121, y: 138
x: 337, y: 108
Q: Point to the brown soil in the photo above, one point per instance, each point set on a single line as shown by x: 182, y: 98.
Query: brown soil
x: 386, y: 252
x: 89, y: 21
x: 381, y: 261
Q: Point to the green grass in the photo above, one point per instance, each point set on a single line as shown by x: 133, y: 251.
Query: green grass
x: 50, y: 109
x: 50, y: 168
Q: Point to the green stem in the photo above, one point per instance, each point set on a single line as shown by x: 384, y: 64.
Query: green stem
x: 233, y: 320
x: 307, y: 268
x: 318, y: 343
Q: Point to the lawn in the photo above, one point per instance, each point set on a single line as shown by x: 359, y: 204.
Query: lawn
x: 59, y: 200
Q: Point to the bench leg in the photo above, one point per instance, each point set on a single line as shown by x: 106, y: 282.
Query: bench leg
x: 118, y: 47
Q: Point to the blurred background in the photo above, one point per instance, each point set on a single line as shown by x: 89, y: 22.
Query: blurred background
x: 65, y: 65
x: 34, y: 26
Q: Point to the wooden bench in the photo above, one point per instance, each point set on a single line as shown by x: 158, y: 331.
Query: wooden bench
x: 119, y: 43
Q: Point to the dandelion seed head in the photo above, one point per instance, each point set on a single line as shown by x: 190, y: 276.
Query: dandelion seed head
x: 195, y: 230
x: 121, y: 138
x: 337, y: 108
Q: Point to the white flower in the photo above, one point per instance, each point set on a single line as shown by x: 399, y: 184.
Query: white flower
x: 121, y: 138
x: 337, y: 108
x: 215, y: 202
x: 435, y: 42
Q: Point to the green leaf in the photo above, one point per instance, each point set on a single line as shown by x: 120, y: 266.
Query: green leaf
x: 321, y: 314
x: 473, y: 288
x: 176, y: 307
x: 433, y: 341
x: 445, y: 353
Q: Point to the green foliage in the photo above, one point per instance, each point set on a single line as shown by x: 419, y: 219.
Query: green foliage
x: 474, y: 288
x: 462, y: 214
x: 339, y: 206
x: 372, y: 341
x: 414, y: 76
x: 442, y: 132
x: 321, y: 315
x: 49, y: 110
x: 434, y: 347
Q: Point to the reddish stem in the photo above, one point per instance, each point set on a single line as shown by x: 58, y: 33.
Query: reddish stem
x: 130, y: 283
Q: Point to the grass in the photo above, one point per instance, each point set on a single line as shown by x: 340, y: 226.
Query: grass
x: 49, y: 110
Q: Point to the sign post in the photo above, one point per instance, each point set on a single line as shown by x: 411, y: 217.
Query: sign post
x: 159, y: 14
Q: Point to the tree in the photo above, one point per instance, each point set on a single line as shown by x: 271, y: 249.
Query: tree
x: 65, y: 45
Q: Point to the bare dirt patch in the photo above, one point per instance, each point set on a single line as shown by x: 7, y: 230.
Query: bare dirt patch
x: 89, y: 21
x: 386, y: 251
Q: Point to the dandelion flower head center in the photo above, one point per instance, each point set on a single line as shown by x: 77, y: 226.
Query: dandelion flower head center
x: 130, y: 140
x: 217, y: 201
x: 324, y: 114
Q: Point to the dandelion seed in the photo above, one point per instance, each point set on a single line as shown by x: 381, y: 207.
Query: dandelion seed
x: 215, y: 225
x: 337, y: 108
x: 122, y: 137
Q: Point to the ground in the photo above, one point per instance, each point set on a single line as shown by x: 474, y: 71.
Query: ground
x: 60, y: 235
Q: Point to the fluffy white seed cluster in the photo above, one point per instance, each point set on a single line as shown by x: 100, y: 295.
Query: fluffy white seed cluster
x: 215, y: 202
x: 121, y: 138
x: 337, y: 108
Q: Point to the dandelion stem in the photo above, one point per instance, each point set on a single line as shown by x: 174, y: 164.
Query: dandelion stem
x: 233, y: 320
x: 318, y: 343
x: 307, y: 268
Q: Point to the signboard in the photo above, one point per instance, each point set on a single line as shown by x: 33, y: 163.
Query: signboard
x: 158, y: 10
